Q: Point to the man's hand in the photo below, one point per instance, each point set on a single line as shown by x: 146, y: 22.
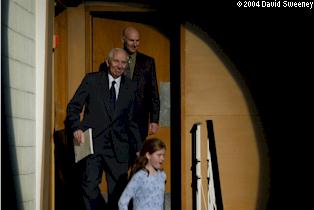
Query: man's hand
x: 153, y: 128
x: 79, y: 136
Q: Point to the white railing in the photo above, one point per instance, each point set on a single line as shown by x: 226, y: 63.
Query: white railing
x: 213, y: 200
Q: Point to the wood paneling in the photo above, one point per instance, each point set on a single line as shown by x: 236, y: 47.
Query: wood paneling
x: 210, y: 91
x: 60, y: 70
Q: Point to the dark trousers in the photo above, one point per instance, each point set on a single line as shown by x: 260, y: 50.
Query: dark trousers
x: 116, y: 177
x: 143, y: 127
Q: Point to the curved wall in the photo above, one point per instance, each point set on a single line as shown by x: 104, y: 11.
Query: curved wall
x: 211, y: 90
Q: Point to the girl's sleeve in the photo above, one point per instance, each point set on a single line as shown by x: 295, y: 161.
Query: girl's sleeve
x: 129, y: 191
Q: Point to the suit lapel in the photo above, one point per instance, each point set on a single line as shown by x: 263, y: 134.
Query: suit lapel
x: 123, y: 91
x: 137, y: 70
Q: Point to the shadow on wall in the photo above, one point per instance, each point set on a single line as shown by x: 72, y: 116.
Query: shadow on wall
x: 10, y: 186
x: 66, y: 172
x: 237, y: 74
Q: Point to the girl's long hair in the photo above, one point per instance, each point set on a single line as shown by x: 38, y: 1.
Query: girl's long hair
x: 150, y: 145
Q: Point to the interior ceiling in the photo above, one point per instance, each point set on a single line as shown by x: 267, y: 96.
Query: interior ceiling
x: 74, y: 3
x: 61, y: 5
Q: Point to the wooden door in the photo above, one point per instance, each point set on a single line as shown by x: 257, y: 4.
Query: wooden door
x: 100, y: 36
x: 106, y: 34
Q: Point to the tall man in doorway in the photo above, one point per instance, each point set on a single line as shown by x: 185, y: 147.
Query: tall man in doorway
x: 108, y: 101
x: 142, y: 69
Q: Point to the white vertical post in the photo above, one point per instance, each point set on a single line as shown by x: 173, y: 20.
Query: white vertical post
x: 41, y: 40
x: 198, y: 167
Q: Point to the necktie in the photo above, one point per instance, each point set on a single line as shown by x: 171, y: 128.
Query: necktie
x: 127, y: 71
x: 113, y: 95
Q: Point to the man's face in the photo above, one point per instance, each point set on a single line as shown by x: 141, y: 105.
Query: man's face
x: 131, y: 41
x: 118, y: 63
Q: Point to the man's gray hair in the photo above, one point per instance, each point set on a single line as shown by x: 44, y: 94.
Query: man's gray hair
x: 113, y: 50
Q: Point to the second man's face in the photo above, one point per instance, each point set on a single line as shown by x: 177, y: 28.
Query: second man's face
x: 132, y: 42
x: 118, y: 63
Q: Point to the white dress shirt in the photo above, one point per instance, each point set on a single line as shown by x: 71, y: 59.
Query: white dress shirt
x: 117, y: 85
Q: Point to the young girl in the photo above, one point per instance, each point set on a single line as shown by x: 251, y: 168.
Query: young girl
x: 147, y: 184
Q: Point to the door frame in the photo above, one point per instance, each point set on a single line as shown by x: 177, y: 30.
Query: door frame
x: 170, y: 28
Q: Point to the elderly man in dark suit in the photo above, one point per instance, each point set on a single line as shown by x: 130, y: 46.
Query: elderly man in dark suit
x: 108, y: 101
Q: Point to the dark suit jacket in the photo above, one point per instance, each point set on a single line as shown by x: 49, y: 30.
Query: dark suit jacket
x: 147, y: 95
x: 117, y: 126
x: 147, y: 103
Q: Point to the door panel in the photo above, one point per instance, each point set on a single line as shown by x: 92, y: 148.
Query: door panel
x: 60, y: 70
x: 106, y: 34
x: 101, y: 36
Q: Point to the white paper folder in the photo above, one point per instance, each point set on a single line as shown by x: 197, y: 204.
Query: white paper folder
x: 83, y: 150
